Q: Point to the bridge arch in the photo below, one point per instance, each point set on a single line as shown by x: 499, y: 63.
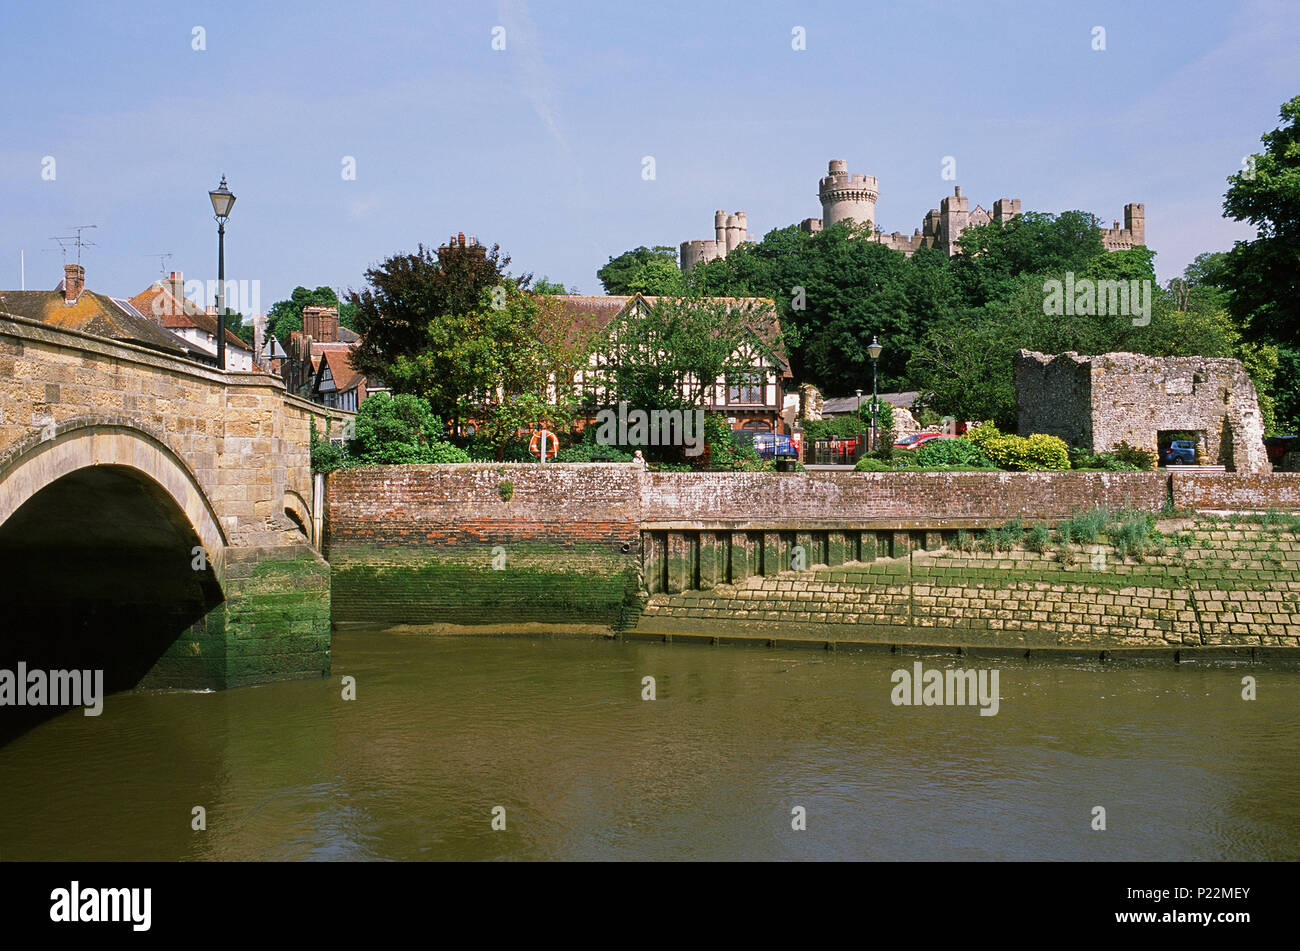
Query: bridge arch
x: 107, y: 441
x: 111, y: 559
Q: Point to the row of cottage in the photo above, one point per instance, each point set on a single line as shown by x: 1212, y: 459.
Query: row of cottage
x: 316, y: 361
x: 1096, y: 401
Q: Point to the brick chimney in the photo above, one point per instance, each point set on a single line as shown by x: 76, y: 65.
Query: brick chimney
x: 321, y: 324
x: 74, y: 282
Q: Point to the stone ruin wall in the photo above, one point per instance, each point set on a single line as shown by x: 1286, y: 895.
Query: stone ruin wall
x: 1103, y: 400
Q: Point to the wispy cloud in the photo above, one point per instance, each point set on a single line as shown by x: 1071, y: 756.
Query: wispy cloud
x: 539, y: 83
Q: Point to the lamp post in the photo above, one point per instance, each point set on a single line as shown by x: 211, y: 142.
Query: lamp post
x: 222, y: 201
x: 874, y: 349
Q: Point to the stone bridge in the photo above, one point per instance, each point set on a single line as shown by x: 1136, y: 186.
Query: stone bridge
x: 158, y: 518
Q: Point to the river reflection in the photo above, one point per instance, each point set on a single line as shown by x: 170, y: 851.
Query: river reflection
x: 443, y: 730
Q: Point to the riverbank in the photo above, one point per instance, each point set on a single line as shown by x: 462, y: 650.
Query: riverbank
x: 879, y: 560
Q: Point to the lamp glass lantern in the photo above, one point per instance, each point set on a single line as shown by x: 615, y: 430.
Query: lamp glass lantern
x: 222, y: 200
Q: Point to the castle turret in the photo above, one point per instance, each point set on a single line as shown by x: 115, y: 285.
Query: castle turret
x: 954, y: 214
x: 1135, y: 222
x: 846, y: 197
x: 1004, y: 209
x: 728, y: 234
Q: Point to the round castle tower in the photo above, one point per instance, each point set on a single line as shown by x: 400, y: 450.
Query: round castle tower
x: 844, y: 196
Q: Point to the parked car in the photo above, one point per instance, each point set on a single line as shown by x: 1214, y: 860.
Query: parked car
x: 917, y: 440
x: 771, y: 445
x: 1181, y: 452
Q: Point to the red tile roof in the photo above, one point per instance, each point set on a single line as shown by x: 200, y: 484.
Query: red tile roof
x: 159, y: 303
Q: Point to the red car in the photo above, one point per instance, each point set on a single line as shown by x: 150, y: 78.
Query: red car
x: 917, y: 440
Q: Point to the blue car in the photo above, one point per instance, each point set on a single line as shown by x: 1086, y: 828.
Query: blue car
x: 769, y: 445
x: 1181, y: 452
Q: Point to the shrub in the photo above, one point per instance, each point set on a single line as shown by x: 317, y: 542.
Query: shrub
x: 1011, y: 533
x: 325, y: 455
x: 951, y: 452
x: 400, y: 430
x: 1037, y: 453
x: 1038, y: 539
x: 589, y: 451
x: 1134, y: 456
x: 506, y: 489
x: 870, y: 464
x: 1131, y: 533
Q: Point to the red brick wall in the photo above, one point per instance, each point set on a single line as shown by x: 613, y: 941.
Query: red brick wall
x: 925, y: 498
x: 454, y: 505
x: 1231, y: 490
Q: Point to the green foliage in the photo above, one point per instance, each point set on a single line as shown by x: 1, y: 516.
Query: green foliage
x: 1038, y: 539
x: 1037, y: 453
x: 400, y: 430
x: 651, y: 271
x: 506, y: 489
x: 550, y: 288
x: 669, y: 356
x: 588, y: 450
x: 1262, y: 275
x: 1134, y: 456
x: 285, y: 316
x: 325, y: 455
x: 952, y: 452
x: 1131, y: 533
x: 871, y: 464
x: 721, y: 451
x: 834, y: 427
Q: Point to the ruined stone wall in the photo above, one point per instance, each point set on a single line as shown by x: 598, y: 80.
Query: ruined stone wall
x: 1101, y: 401
x: 1054, y: 396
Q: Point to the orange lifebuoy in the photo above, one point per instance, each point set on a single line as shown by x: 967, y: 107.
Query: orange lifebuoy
x: 549, y: 441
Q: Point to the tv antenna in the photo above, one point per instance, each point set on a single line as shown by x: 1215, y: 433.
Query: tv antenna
x: 79, y: 241
x: 62, y: 242
x: 162, y: 257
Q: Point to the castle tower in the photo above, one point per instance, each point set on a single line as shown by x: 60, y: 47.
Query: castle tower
x: 1004, y: 209
x: 729, y: 232
x: 1135, y: 222
x: 847, y: 197
x: 954, y: 215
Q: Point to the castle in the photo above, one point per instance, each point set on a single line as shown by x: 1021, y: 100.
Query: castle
x: 852, y: 197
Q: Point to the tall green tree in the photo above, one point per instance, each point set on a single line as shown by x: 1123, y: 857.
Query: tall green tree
x: 642, y: 269
x: 413, y: 308
x: 1264, y: 274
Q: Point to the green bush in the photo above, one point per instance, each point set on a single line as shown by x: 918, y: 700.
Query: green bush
x: 400, y: 430
x: 1134, y: 456
x: 1038, y: 538
x: 869, y: 464
x: 951, y: 452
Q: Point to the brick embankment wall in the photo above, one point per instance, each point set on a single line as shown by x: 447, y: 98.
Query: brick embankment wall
x: 1210, y: 491
x: 1232, y: 588
x: 919, y: 499
x: 439, y: 546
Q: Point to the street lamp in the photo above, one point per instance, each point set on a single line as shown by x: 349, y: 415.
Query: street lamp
x: 222, y: 201
x: 874, y: 349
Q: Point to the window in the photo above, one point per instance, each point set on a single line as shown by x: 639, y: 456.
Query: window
x: 747, y: 388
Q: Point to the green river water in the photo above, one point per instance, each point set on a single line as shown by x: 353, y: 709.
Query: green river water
x: 555, y: 731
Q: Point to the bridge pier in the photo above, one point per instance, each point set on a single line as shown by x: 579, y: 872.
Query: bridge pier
x: 274, y: 624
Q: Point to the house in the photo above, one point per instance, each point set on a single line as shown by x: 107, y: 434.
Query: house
x: 73, y: 307
x: 752, y: 402
x: 165, y: 303
x: 318, y: 362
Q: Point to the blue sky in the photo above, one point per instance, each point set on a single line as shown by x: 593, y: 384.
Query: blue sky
x: 539, y: 147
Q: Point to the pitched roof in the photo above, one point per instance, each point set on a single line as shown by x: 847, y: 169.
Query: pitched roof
x: 161, y: 303
x: 576, y: 317
x: 92, y: 313
x: 339, y: 358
